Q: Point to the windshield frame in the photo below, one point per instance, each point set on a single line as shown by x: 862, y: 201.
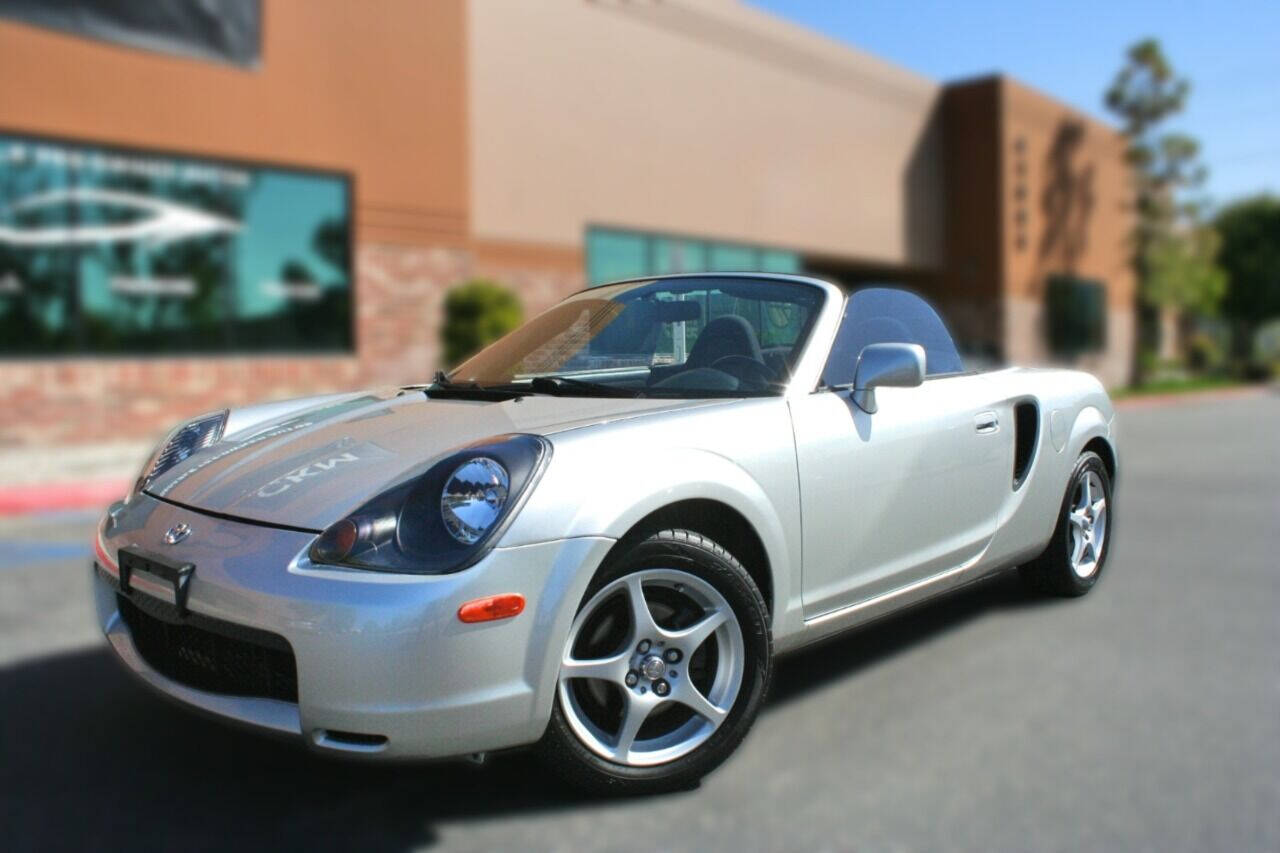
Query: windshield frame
x: 817, y: 326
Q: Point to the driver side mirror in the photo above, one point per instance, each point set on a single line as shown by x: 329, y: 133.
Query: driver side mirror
x: 890, y: 365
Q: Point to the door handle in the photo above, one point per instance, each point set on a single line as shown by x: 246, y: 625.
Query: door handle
x: 986, y: 422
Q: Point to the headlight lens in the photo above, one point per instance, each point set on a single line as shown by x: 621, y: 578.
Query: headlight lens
x: 186, y: 439
x: 440, y: 518
x: 473, y: 498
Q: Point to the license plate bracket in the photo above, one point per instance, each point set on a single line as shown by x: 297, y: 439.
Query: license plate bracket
x: 134, y: 559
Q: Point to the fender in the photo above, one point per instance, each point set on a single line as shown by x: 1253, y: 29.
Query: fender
x: 1033, y: 510
x: 640, y: 484
x: 1089, y: 424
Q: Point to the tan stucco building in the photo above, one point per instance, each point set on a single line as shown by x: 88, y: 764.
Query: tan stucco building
x: 548, y: 146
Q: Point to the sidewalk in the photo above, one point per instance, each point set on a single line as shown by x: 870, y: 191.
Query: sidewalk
x: 1143, y: 401
x: 47, y: 479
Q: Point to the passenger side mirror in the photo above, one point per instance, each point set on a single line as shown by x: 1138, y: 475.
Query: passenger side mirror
x: 890, y: 365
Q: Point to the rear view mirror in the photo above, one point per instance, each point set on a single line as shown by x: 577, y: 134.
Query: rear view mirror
x: 676, y: 311
x: 889, y: 365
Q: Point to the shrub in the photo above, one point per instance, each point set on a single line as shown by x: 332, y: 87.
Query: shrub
x: 1266, y: 349
x: 1204, y: 353
x: 477, y: 313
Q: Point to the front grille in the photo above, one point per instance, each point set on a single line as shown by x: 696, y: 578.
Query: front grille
x: 212, y: 655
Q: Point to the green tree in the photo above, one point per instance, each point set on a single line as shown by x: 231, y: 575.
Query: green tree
x: 1182, y: 272
x: 1250, y: 254
x: 1168, y: 234
x: 1144, y: 93
x: 477, y: 313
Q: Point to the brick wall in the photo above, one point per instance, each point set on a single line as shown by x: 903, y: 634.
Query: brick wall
x: 399, y: 290
x: 541, y: 275
x: 82, y: 400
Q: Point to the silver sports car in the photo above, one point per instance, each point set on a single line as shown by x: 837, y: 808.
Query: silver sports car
x: 596, y: 535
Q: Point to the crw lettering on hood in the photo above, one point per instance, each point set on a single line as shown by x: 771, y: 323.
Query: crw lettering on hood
x: 297, y: 475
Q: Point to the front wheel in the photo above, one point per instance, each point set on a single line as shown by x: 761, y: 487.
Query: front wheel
x: 1070, y: 566
x: 665, y: 668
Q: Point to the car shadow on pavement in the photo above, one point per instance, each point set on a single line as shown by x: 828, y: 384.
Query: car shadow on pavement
x: 847, y: 653
x: 91, y: 760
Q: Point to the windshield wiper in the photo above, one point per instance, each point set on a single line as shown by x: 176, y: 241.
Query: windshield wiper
x: 557, y: 385
x: 444, y: 388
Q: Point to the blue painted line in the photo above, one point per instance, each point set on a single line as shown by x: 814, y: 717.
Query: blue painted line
x: 15, y: 555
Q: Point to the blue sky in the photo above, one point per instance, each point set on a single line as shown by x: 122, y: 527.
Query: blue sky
x: 1229, y: 50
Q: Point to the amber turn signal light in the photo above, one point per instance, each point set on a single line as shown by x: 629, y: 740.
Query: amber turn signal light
x: 491, y: 608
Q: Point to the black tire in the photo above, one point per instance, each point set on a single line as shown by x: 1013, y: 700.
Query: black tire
x: 1052, y: 572
x: 689, y: 552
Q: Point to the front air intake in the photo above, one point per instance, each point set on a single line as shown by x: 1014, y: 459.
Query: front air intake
x: 213, y: 656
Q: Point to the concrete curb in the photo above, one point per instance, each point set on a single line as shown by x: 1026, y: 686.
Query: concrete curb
x: 1146, y: 401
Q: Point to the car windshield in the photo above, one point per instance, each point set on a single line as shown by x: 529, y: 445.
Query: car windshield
x: 684, y: 337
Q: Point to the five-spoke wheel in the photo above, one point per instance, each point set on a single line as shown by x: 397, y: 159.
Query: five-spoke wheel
x: 653, y: 665
x: 1076, y: 554
x: 1088, y: 519
x: 664, y: 668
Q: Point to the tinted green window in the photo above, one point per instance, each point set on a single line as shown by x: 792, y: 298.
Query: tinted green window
x: 613, y: 255
x: 775, y: 261
x: 125, y: 252
x: 733, y: 258
x: 1076, y: 315
x: 672, y: 255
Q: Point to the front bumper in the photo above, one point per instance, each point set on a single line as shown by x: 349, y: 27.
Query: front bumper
x: 384, y: 666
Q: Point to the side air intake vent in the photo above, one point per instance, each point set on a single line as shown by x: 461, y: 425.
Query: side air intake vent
x: 1026, y: 419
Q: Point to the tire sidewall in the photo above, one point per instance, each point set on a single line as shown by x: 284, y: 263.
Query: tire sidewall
x: 732, y: 581
x: 1088, y: 461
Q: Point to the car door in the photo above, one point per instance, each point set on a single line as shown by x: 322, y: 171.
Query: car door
x: 915, y: 489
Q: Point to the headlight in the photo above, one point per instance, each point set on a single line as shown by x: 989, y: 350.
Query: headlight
x: 473, y: 498
x: 442, y: 518
x: 186, y: 439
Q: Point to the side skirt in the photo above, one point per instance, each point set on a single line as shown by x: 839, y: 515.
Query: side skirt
x: 837, y: 621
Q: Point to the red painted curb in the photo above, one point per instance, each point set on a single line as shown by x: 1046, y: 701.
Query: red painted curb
x: 22, y: 500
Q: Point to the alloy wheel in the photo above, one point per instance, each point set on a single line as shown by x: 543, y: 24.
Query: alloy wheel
x: 652, y: 667
x: 1087, y: 515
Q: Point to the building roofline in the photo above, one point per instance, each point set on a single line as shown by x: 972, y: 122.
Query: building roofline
x: 1001, y: 79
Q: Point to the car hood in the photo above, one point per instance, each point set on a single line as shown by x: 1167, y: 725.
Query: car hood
x: 315, y: 466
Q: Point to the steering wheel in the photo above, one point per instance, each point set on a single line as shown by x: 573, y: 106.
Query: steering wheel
x: 746, y: 370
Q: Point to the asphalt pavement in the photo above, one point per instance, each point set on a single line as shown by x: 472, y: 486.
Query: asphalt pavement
x: 1145, y: 716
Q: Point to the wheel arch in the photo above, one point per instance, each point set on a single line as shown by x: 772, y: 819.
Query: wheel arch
x: 1092, y: 432
x: 719, y: 522
x: 1103, y: 448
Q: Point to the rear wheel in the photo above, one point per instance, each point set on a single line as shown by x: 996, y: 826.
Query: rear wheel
x: 1070, y: 566
x: 666, y: 665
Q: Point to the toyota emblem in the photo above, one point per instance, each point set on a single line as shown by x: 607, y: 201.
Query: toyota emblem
x: 177, y: 533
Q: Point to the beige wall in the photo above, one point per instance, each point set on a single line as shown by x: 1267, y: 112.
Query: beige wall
x: 706, y: 118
